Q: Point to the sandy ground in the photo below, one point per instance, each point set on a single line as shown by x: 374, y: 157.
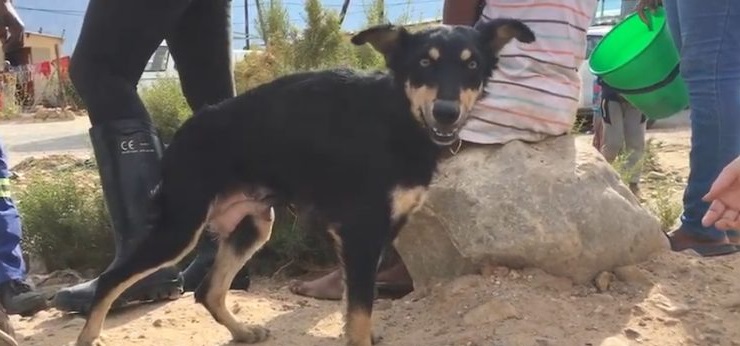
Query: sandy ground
x: 673, y: 299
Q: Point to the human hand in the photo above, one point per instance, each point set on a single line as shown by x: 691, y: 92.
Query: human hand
x: 643, y: 5
x: 725, y: 198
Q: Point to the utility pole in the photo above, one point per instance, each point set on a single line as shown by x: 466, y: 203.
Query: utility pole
x: 246, y: 23
x: 345, y: 5
x: 261, y: 21
x: 382, y: 11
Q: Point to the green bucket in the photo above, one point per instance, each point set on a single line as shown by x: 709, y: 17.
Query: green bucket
x: 642, y: 64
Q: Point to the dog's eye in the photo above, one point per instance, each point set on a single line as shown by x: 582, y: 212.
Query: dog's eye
x: 473, y: 64
x: 425, y: 62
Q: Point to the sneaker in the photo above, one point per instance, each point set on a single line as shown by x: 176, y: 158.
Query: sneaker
x: 20, y: 298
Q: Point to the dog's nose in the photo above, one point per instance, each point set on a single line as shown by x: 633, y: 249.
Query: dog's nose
x: 446, y: 112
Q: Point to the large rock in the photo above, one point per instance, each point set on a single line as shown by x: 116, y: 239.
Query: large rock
x: 556, y: 205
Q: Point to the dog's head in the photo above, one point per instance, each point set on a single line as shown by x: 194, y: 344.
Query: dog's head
x: 443, y: 69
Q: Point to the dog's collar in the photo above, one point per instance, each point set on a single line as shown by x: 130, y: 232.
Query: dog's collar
x: 456, y: 148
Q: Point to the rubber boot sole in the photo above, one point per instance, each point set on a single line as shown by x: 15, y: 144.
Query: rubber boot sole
x: 151, y: 293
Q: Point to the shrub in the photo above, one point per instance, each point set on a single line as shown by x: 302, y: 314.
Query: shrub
x: 65, y: 222
x: 167, y: 105
x: 72, y: 98
x: 294, y: 245
x: 664, y: 201
x: 256, y: 68
x: 664, y: 204
x: 10, y: 107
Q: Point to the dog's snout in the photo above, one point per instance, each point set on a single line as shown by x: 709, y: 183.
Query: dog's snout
x: 446, y: 112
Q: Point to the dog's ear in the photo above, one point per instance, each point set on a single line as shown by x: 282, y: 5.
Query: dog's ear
x: 498, y: 32
x: 385, y: 38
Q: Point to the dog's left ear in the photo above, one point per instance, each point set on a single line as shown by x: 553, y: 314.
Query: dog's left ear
x: 498, y: 32
x: 385, y: 38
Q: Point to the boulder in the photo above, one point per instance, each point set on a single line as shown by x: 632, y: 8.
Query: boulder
x: 556, y: 205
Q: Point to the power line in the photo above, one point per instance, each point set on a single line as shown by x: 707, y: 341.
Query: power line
x: 75, y: 13
x: 80, y: 13
x: 393, y: 4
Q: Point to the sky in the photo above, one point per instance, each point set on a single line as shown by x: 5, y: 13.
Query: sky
x: 64, y: 17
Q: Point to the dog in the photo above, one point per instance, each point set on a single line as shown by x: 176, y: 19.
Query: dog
x: 357, y: 149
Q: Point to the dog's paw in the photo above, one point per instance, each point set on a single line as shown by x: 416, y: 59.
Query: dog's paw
x: 357, y: 343
x: 376, y: 338
x: 95, y: 342
x: 250, y: 334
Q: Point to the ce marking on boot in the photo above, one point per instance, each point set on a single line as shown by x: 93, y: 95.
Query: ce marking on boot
x: 127, y: 145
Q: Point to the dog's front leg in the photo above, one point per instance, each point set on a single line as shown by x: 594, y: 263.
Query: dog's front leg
x: 361, y: 240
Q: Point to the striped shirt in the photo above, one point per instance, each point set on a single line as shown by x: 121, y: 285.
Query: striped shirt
x: 535, y: 90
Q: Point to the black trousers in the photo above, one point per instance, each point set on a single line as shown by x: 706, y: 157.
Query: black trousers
x: 119, y: 36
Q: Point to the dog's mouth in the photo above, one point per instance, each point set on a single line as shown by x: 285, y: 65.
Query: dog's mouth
x: 440, y: 134
x: 444, y: 136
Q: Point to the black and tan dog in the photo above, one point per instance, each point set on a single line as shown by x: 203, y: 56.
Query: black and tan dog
x: 359, y: 150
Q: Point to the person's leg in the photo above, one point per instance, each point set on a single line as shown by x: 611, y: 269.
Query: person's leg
x: 598, y: 129
x: 674, y: 25
x: 200, y: 44
x: 710, y: 65
x: 392, y: 278
x: 16, y: 294
x: 635, y: 126
x: 206, y: 79
x: 613, y: 130
x: 111, y: 54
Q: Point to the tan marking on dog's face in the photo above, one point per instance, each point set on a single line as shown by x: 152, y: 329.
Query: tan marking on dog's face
x: 468, y: 98
x: 465, y: 54
x: 434, y: 53
x: 359, y: 328
x: 406, y: 201
x: 419, y: 98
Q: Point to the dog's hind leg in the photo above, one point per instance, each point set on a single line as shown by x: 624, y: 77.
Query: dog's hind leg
x: 163, y: 247
x: 362, y: 239
x: 234, y: 250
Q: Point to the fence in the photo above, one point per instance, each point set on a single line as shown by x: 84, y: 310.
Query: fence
x: 23, y: 88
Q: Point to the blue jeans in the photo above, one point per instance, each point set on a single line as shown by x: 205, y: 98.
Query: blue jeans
x: 12, y: 266
x: 707, y: 33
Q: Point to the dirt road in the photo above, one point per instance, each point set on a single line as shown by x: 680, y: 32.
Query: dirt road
x: 26, y: 139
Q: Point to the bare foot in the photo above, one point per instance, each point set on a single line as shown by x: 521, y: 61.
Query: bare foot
x: 395, y: 276
x: 329, y: 287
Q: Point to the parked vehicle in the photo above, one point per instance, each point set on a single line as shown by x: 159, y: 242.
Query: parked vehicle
x: 589, y: 87
x: 161, y: 65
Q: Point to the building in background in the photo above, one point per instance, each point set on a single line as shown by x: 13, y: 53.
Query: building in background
x: 613, y: 10
x: 627, y: 7
x: 37, y: 48
x: 33, y: 78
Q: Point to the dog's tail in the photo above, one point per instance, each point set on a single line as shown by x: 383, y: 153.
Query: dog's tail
x: 178, y: 207
x: 181, y: 203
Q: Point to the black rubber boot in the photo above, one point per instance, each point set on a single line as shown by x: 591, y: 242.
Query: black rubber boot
x: 19, y: 297
x: 128, y: 154
x: 198, y: 268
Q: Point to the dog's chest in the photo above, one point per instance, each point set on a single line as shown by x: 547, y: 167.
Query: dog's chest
x: 406, y: 201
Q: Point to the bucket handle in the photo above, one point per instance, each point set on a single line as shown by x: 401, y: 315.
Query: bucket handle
x: 671, y: 76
